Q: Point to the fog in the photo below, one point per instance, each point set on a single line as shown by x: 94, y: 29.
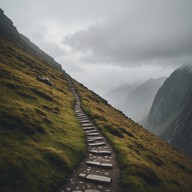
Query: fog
x: 107, y: 43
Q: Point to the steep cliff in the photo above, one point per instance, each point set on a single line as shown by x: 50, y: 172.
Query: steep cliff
x: 170, y: 114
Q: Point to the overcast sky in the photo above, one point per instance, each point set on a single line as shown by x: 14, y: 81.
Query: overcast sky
x: 107, y: 43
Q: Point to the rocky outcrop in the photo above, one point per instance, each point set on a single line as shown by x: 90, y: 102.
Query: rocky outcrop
x: 170, y: 116
x: 9, y: 32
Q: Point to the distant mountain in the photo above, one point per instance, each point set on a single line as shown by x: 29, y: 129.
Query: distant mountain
x: 170, y: 116
x: 135, y: 100
x: 138, y: 102
x: 117, y: 96
x: 9, y: 32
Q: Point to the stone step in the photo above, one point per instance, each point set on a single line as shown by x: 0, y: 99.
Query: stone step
x: 98, y: 152
x: 78, y: 111
x: 97, y: 144
x: 90, y: 140
x: 85, y: 121
x: 88, y: 128
x: 92, y: 134
x: 92, y: 131
x: 81, y: 116
x: 102, y: 165
x: 86, y: 124
x: 95, y: 138
x: 95, y: 178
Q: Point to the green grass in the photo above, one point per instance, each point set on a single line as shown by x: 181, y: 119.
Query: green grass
x: 41, y: 140
x: 146, y: 163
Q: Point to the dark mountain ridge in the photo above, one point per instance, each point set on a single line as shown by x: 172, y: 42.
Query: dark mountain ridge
x: 170, y: 116
x: 135, y: 100
x: 9, y: 31
x: 139, y: 100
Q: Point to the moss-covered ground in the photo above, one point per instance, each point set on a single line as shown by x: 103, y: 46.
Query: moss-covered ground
x: 41, y: 140
x: 146, y: 163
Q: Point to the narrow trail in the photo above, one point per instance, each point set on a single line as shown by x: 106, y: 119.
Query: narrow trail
x: 99, y: 171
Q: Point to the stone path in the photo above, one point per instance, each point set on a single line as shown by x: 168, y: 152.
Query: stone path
x: 99, y: 171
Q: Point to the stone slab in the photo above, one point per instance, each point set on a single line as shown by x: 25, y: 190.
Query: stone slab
x: 86, y: 124
x: 100, y: 152
x: 88, y: 128
x: 81, y: 116
x: 91, y: 131
x: 82, y: 175
x: 95, y: 163
x: 96, y: 138
x: 97, y: 144
x: 92, y: 163
x: 107, y: 165
x: 85, y: 121
x: 98, y: 178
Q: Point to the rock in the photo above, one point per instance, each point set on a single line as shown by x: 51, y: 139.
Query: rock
x: 85, y: 121
x: 97, y: 144
x: 107, y: 165
x: 96, y: 138
x: 91, y: 131
x: 88, y: 128
x: 44, y: 80
x: 87, y: 124
x: 77, y: 191
x: 95, y: 163
x: 82, y: 175
x: 100, y: 186
x: 100, y: 152
x: 98, y: 178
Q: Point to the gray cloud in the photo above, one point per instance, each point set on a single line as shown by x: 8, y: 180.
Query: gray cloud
x: 140, y: 31
x: 127, y: 40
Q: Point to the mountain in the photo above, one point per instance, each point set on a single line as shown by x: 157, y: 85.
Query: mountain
x: 135, y: 100
x: 139, y: 100
x: 42, y: 141
x: 9, y: 32
x: 171, y: 112
x: 117, y: 95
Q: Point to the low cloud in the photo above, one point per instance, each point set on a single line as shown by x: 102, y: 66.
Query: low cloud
x: 155, y: 32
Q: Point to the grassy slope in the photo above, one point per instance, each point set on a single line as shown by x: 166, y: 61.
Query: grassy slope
x: 146, y: 162
x: 40, y: 137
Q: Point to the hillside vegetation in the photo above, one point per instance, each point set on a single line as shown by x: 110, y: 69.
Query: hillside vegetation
x: 146, y: 162
x: 41, y: 140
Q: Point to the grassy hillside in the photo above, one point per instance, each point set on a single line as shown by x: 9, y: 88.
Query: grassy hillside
x: 40, y: 138
x: 146, y: 162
